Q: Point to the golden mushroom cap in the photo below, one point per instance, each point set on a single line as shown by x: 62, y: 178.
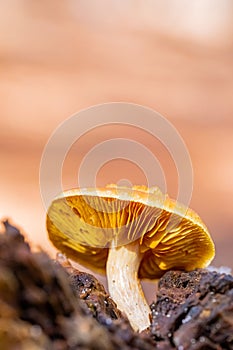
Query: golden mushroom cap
x: 84, y: 223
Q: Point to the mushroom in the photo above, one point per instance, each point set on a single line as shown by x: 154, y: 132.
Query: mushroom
x: 129, y: 233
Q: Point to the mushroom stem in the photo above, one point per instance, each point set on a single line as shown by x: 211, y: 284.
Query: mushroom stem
x: 124, y: 286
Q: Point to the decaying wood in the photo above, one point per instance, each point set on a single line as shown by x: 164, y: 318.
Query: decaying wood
x: 194, y: 310
x: 41, y: 308
x: 46, y: 304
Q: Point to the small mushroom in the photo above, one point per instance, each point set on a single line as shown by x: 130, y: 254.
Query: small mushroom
x: 129, y: 233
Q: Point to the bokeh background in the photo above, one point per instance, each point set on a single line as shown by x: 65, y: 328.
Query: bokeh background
x: 58, y: 57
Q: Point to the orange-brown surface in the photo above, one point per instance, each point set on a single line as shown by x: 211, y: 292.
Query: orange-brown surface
x: 59, y: 57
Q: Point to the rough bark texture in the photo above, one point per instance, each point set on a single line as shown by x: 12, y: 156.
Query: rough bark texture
x: 44, y: 305
x: 194, y: 310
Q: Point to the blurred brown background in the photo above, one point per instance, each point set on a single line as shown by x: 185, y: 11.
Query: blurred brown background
x: 57, y: 57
